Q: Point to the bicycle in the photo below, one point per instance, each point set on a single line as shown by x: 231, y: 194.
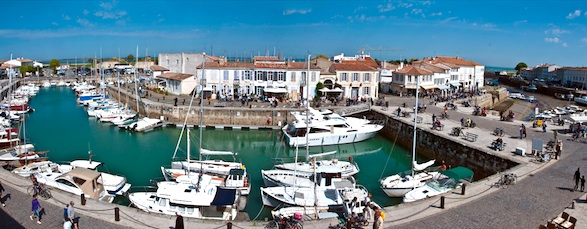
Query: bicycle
x: 281, y: 221
x: 506, y: 180
x: 39, y: 190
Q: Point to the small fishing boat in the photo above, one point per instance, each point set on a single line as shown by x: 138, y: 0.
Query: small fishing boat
x: 449, y: 180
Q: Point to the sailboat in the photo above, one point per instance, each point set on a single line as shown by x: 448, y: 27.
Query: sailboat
x: 329, y: 193
x: 398, y: 185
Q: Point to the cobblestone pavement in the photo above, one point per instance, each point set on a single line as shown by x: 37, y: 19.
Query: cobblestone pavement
x: 532, y: 201
x: 18, y: 209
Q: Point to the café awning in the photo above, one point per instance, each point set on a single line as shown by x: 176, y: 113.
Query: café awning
x: 443, y: 87
x: 275, y: 90
x: 428, y: 87
x: 456, y: 84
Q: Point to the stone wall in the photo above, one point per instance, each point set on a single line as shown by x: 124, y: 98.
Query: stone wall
x: 433, y: 146
x: 223, y: 116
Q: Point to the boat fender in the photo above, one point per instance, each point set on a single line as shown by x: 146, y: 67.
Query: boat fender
x: 351, y: 159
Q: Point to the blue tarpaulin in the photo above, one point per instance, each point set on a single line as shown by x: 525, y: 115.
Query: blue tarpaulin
x: 224, y: 197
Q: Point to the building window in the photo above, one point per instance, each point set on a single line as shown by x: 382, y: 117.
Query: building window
x: 270, y: 76
x: 313, y: 76
x: 344, y: 77
x: 247, y: 75
x: 367, y: 77
x: 177, y: 62
x: 236, y: 75
x: 366, y: 91
x: 293, y: 77
x: 258, y: 75
x: 281, y: 76
x: 225, y: 74
x: 356, y: 77
x: 304, y: 78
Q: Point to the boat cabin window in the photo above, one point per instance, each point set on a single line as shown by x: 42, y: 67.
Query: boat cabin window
x: 316, y: 130
x: 340, y: 126
x: 78, y: 180
x: 65, y: 182
x: 162, y: 202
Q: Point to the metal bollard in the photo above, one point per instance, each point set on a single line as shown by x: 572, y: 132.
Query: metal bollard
x: 116, y: 214
x: 573, y: 205
x: 229, y: 225
x: 463, y: 190
x: 83, y: 199
x: 442, y: 202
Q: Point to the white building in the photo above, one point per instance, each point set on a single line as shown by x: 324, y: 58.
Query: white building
x: 358, y: 76
x: 572, y: 77
x: 546, y: 72
x: 464, y: 74
x: 186, y: 63
x: 405, y: 79
x: 178, y: 83
x: 265, y: 76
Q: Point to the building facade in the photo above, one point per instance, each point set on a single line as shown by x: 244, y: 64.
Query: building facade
x: 357, y: 76
x: 572, y: 77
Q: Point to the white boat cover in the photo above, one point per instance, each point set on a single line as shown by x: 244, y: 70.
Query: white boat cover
x: 420, y: 167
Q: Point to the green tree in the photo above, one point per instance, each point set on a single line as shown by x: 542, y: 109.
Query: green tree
x: 520, y: 66
x: 130, y: 58
x: 320, y: 56
x: 53, y: 64
x: 319, y: 86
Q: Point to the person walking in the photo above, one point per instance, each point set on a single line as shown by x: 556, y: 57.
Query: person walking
x: 36, y: 208
x: 178, y: 221
x: 524, y: 130
x: 582, y: 183
x: 577, y: 178
x: 71, y: 215
x: 544, y: 127
x: 1, y: 193
x: 521, y: 131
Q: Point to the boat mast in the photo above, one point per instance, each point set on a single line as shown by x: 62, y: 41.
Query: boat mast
x: 118, y: 79
x: 308, y: 109
x: 202, y: 85
x: 136, y: 82
x: 415, y: 123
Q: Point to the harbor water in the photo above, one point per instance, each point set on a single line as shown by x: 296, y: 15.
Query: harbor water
x: 62, y: 127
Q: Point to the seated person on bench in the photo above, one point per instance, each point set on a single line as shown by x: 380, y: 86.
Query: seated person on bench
x: 498, y: 143
x: 436, y: 125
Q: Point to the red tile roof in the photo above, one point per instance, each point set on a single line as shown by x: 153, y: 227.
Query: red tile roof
x: 367, y: 64
x: 227, y: 65
x: 175, y: 76
x: 413, y: 70
x: 158, y: 68
x: 265, y: 58
x: 452, y: 61
x: 25, y: 60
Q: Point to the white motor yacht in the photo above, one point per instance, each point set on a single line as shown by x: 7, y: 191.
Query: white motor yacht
x: 145, y: 124
x: 347, y: 168
x: 325, y: 175
x: 334, y: 195
x: 449, y: 180
x: 113, y: 184
x: 193, y: 197
x: 327, y: 128
x: 36, y: 167
x: 77, y: 181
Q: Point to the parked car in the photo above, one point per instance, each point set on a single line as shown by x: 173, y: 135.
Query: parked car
x: 560, y: 96
x: 531, y: 99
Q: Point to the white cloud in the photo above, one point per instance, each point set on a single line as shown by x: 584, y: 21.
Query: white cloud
x: 406, y: 5
x: 66, y: 17
x: 161, y: 20
x: 416, y: 11
x: 551, y: 40
x: 556, y: 31
x: 294, y: 11
x: 110, y: 15
x: 447, y: 20
x: 86, y: 12
x: 436, y: 14
x: 108, y: 11
x: 426, y: 3
x: 565, y: 44
x: 54, y: 23
x: 488, y: 25
x: 520, y: 22
x: 359, y: 9
x: 77, y: 32
x: 84, y: 22
x: 574, y: 14
x: 385, y: 8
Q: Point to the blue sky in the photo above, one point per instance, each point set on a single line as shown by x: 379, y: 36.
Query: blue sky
x: 493, y: 33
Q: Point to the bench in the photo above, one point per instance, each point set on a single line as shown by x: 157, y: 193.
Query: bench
x: 219, y: 105
x: 419, y: 119
x: 441, y: 127
x: 471, y: 137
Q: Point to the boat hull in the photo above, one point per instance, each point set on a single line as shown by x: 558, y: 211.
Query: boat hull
x: 331, y: 139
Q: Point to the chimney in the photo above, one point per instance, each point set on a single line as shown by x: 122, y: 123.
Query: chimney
x: 401, y: 65
x: 222, y: 60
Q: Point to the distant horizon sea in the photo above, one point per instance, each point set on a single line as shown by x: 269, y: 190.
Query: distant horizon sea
x: 498, y: 69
